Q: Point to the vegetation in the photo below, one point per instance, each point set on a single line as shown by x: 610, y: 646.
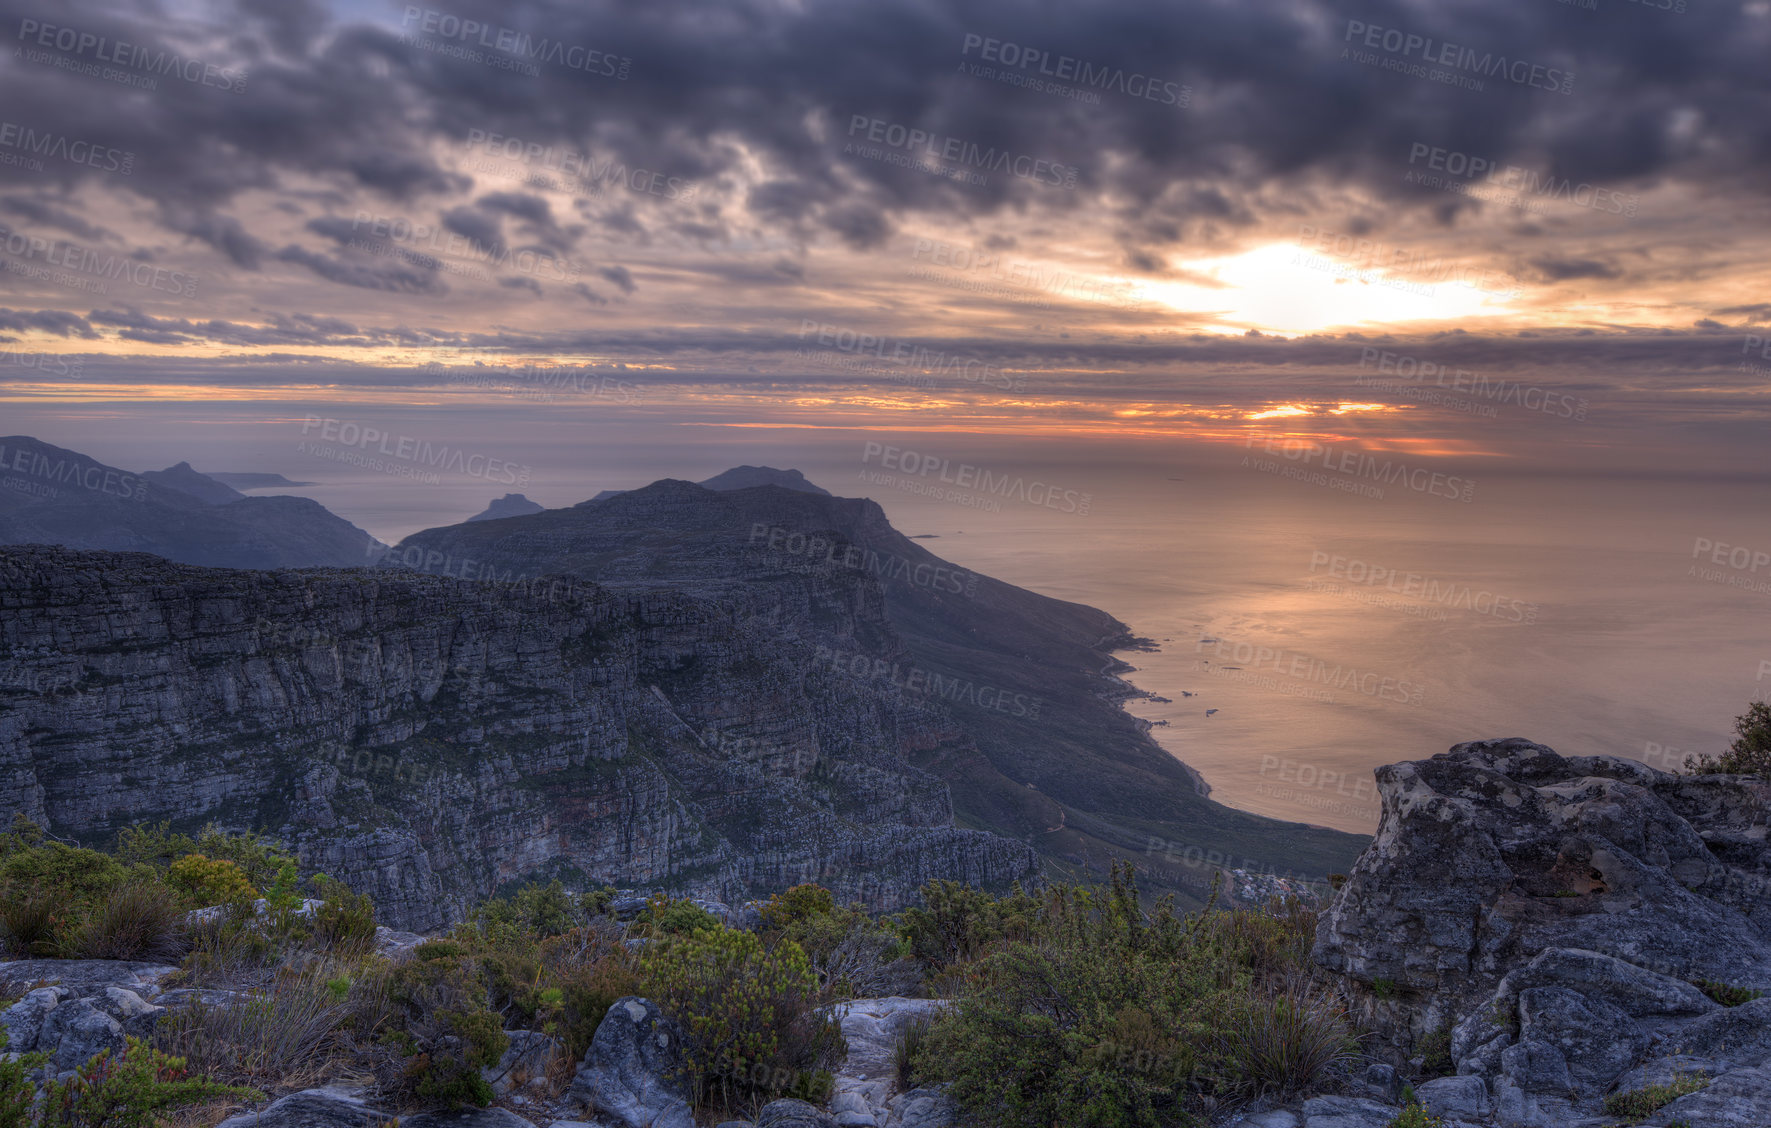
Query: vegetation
x: 1415, y: 1115
x: 1642, y: 1103
x: 1726, y: 994
x: 1750, y: 754
x: 1078, y: 1007
x: 1072, y: 1005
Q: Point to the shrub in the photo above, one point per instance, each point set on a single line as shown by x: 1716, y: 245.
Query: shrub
x: 906, y: 1050
x: 203, y: 881
x: 853, y: 955
x: 16, y: 1091
x: 540, y: 910
x: 1645, y: 1102
x: 788, y: 910
x: 444, y: 1028
x: 157, y: 845
x: 1283, y: 1044
x: 1415, y: 1115
x: 751, y: 1030
x: 128, y: 1090
x: 133, y: 922
x: 345, y: 919
x: 1727, y: 995
x: 1750, y: 754
x: 28, y: 924
x: 665, y: 917
x: 282, y: 1038
x: 1435, y: 1049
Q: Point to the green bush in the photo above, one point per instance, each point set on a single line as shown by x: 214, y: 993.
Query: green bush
x: 28, y: 924
x: 1645, y: 1102
x: 853, y: 955
x: 1088, y: 1009
x: 344, y: 919
x: 127, y: 1091
x: 444, y: 1028
x: 203, y: 881
x: 1415, y: 1115
x: 1726, y: 994
x: 1750, y: 754
x: 663, y: 916
x: 748, y: 1014
x: 137, y: 921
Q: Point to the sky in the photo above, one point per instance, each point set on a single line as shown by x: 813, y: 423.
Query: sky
x: 1521, y: 237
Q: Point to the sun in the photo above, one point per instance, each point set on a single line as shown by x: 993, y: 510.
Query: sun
x: 1285, y: 289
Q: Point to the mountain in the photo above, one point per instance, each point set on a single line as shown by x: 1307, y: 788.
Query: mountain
x: 200, y: 486
x: 742, y: 478
x: 248, y: 481
x: 433, y: 741
x: 49, y: 495
x: 510, y: 505
x: 1050, y: 756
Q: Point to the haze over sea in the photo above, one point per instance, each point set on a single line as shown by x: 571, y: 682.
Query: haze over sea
x: 1624, y: 652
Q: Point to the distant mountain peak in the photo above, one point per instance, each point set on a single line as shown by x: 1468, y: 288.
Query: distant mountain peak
x: 738, y: 478
x: 185, y: 480
x: 510, y: 505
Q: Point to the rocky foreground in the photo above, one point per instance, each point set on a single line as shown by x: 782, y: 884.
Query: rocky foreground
x: 1533, y: 941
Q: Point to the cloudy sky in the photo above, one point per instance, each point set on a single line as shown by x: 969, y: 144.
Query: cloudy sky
x: 1528, y: 233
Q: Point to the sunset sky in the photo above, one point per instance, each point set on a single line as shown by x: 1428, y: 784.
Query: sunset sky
x: 1179, y: 222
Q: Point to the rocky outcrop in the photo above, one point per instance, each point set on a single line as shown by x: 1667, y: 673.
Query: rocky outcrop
x: 1575, y: 925
x: 83, y: 1008
x: 632, y: 1074
x: 866, y: 1085
x: 431, y: 740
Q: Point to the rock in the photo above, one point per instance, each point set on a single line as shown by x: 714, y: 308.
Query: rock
x: 851, y: 1110
x: 632, y: 1072
x: 1537, y: 1067
x: 921, y: 1108
x: 1662, y: 1071
x: 24, y: 1019
x: 1498, y: 850
x: 1455, y: 1098
x: 466, y: 1118
x: 1279, y: 1118
x: 527, y: 1058
x: 1596, y: 1039
x: 136, y: 1016
x: 1347, y: 1112
x: 722, y: 1124
x: 1638, y: 992
x: 395, y: 945
x: 1378, y: 1082
x: 789, y: 1113
x: 86, y: 977
x: 1740, y: 1035
x: 76, y: 1030
x: 312, y: 1108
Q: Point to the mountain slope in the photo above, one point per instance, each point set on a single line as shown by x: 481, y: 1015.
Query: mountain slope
x: 510, y: 505
x: 432, y: 741
x: 200, y: 486
x: 1058, y: 763
x: 49, y: 495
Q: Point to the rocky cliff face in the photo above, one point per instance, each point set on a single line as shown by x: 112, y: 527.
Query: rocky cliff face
x: 1571, y: 924
x: 430, y: 740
